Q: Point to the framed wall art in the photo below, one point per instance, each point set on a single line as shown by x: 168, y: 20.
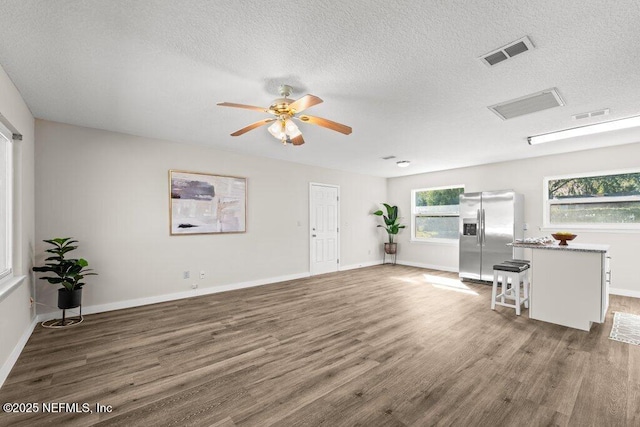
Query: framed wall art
x: 202, y: 203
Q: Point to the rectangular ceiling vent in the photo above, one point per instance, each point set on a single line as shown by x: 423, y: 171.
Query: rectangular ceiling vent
x: 528, y: 104
x: 598, y: 113
x: 388, y: 157
x: 506, y: 52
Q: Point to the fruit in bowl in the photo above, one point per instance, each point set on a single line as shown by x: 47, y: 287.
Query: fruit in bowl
x: 564, y: 236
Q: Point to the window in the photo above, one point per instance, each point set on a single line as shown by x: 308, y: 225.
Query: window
x: 6, y: 173
x: 598, y: 200
x: 435, y: 213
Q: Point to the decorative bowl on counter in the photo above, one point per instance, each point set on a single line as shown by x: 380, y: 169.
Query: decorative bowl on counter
x: 564, y: 237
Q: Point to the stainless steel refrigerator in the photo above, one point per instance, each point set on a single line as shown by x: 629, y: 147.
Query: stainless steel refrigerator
x: 488, y: 221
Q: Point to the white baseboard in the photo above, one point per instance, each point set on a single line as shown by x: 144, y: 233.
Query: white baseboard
x: 241, y: 285
x: 100, y: 308
x: 429, y: 266
x: 13, y: 357
x: 360, y: 265
x: 624, y: 292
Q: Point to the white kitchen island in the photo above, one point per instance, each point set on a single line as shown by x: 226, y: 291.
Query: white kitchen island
x: 569, y: 284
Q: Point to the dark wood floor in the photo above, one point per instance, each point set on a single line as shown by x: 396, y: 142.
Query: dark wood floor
x: 380, y: 346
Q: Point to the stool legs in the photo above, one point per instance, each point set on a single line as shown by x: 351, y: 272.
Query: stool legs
x: 514, y: 293
x: 494, y: 291
x: 515, y: 289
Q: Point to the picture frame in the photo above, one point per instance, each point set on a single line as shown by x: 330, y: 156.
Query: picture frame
x: 203, y: 203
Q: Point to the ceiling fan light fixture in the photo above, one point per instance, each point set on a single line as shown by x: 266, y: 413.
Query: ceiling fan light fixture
x: 284, y: 129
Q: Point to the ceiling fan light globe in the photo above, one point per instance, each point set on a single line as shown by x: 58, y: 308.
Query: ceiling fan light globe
x: 276, y: 130
x: 291, y: 129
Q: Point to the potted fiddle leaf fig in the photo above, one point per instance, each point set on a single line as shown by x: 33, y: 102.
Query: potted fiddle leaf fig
x: 391, y: 225
x: 66, y: 272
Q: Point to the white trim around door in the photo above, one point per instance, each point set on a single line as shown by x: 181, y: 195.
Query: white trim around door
x: 324, y: 228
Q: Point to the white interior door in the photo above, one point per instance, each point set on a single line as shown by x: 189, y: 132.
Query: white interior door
x: 323, y: 228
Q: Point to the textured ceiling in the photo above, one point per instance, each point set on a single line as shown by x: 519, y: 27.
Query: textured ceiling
x: 405, y: 75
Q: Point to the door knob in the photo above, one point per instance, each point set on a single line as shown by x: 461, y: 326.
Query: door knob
x: 313, y: 235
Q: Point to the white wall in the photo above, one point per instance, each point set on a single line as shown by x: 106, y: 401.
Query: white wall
x: 16, y: 316
x: 526, y: 177
x: 110, y: 191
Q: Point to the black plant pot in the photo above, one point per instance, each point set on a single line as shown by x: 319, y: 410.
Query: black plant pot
x: 69, y: 299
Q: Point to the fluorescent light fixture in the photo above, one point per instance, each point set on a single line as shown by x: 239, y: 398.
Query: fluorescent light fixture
x: 629, y: 122
x: 403, y: 163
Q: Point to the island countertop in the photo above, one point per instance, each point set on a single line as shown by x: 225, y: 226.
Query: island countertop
x: 577, y: 247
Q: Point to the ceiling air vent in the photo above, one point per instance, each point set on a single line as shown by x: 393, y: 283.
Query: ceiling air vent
x: 528, y: 104
x: 388, y: 157
x: 603, y: 112
x: 505, y: 52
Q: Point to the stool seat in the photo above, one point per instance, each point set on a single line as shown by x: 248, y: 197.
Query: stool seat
x: 508, y: 266
x: 514, y: 273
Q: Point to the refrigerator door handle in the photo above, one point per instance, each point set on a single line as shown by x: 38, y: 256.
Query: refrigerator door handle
x: 479, y: 228
x: 482, y: 219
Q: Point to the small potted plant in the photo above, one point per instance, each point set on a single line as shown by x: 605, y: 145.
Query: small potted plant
x: 391, y: 225
x: 67, y: 272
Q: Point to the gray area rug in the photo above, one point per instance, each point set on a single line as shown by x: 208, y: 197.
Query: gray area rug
x: 626, y: 328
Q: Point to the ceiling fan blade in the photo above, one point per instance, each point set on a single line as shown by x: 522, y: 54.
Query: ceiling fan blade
x: 304, y: 103
x: 298, y: 140
x: 327, y: 124
x: 252, y: 126
x: 247, y: 107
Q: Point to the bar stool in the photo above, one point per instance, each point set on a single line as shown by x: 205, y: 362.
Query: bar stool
x: 515, y: 272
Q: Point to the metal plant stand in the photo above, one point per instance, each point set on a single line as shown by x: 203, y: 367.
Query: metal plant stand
x: 390, y: 249
x: 66, y: 321
x: 392, y: 256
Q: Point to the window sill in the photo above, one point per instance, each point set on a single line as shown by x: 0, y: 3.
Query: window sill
x: 553, y: 229
x: 8, y: 284
x: 437, y: 242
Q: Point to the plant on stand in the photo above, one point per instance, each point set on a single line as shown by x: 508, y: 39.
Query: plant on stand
x: 391, y: 225
x: 67, y: 272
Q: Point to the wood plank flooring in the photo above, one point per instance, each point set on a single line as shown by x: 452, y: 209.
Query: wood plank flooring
x: 380, y: 346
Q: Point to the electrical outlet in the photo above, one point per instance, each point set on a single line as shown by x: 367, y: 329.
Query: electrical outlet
x: 201, y: 275
x: 186, y: 275
x: 194, y: 286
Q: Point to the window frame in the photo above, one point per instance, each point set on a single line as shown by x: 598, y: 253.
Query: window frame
x: 6, y: 277
x: 414, y: 215
x: 594, y: 226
